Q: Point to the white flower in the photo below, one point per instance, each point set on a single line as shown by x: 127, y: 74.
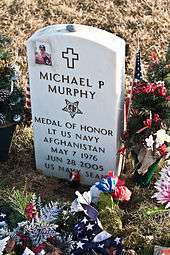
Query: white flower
x: 161, y: 137
x: 149, y: 141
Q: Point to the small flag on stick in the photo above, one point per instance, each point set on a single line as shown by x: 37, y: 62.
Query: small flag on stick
x: 138, y: 68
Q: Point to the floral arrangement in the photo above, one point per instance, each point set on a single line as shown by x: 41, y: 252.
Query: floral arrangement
x: 162, y: 186
x: 11, y: 94
x: 40, y: 233
x: 148, y: 123
x: 58, y: 229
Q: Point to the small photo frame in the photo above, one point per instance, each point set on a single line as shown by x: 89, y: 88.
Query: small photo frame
x: 43, y: 54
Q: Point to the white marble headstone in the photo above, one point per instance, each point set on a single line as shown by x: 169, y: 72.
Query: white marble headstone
x: 77, y: 87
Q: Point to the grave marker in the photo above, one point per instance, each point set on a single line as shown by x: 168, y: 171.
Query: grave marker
x: 77, y: 85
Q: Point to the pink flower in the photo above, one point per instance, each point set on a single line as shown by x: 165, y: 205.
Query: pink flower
x: 122, y: 193
x: 163, y: 188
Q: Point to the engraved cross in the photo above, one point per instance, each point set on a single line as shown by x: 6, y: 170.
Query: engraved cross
x: 70, y: 56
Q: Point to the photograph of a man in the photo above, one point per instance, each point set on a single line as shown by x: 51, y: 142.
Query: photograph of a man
x: 42, y: 56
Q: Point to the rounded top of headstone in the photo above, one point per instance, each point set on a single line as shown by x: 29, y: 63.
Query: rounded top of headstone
x: 90, y: 33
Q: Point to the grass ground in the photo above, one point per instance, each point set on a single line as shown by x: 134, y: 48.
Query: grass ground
x: 147, y: 20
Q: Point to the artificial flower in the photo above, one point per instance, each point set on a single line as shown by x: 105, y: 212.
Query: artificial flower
x: 156, y: 117
x: 161, y: 137
x: 122, y: 193
x: 162, y: 91
x: 31, y: 211
x: 39, y: 248
x: 107, y: 184
x: 120, y: 182
x: 163, y: 149
x: 148, y: 122
x: 163, y: 187
x: 148, y: 89
x: 149, y: 141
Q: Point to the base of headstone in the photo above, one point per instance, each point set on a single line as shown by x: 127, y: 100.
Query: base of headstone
x: 6, y: 134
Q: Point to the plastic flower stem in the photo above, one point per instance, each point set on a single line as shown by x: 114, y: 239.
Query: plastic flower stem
x: 144, y: 180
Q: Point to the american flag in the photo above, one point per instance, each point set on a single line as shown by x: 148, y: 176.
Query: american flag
x: 90, y: 237
x: 138, y: 67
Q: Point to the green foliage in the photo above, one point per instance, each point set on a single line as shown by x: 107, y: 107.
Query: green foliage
x: 11, y: 93
x: 13, y: 216
x: 18, y: 199
x: 105, y: 201
x: 110, y: 214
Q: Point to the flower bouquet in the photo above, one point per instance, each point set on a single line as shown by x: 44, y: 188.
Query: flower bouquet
x: 149, y: 117
x: 40, y: 232
x: 61, y: 229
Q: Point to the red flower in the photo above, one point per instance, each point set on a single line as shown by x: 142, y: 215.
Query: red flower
x: 122, y: 193
x: 163, y: 149
x: 30, y: 211
x: 162, y: 91
x: 148, y: 122
x: 147, y: 89
x: 39, y: 248
x: 156, y: 117
x: 168, y: 98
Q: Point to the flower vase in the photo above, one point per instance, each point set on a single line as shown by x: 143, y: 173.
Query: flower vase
x: 6, y: 134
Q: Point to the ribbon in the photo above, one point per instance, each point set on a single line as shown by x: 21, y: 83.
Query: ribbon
x: 108, y: 184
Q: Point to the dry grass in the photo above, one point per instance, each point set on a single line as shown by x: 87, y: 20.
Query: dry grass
x: 147, y: 20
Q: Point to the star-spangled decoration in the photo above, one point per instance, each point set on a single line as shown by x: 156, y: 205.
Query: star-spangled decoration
x: 101, y: 245
x: 90, y: 236
x: 138, y: 68
x: 89, y: 226
x: 2, y: 215
x: 80, y: 245
x: 85, y: 220
x: 117, y: 240
x: 72, y: 108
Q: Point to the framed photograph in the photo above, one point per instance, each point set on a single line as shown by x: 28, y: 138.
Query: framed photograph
x: 43, y: 54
